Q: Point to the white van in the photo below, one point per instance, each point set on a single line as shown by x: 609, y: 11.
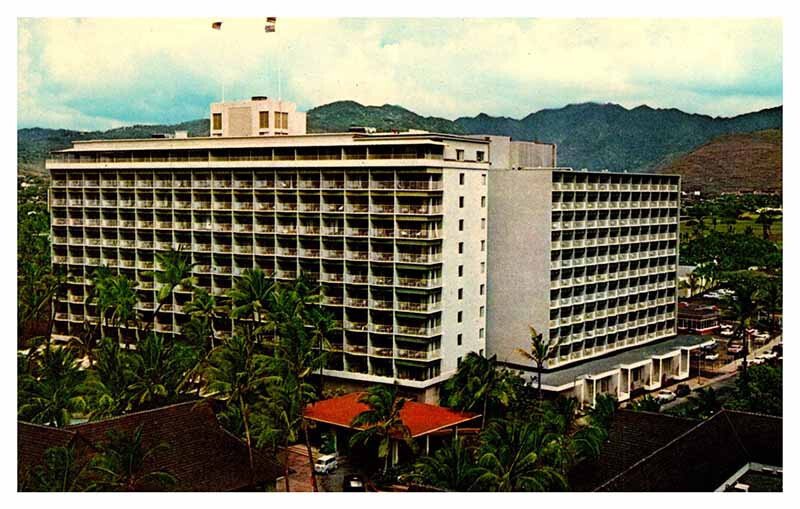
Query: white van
x: 325, y: 464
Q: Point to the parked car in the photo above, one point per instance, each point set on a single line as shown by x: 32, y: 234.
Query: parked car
x: 757, y: 361
x: 682, y: 390
x: 726, y: 332
x: 665, y: 396
x: 712, y: 357
x: 735, y: 348
x: 769, y: 355
x: 353, y: 483
x: 325, y: 464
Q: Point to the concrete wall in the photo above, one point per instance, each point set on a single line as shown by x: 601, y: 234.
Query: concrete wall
x: 519, y: 260
x: 471, y: 259
x: 529, y: 154
x: 241, y: 118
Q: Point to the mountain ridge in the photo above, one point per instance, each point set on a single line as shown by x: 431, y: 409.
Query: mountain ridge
x: 589, y: 135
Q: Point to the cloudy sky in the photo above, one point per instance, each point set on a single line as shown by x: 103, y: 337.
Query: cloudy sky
x: 101, y: 73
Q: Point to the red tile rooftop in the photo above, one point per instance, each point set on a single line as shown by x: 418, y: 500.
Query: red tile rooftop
x: 420, y: 418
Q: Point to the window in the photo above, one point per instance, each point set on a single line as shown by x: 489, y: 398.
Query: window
x: 459, y: 155
x: 481, y: 333
x: 263, y: 120
x: 483, y: 202
x: 460, y: 248
x: 482, y: 289
x: 460, y: 293
x: 483, y: 178
x: 461, y: 225
x: 459, y: 338
x: 216, y: 119
x: 483, y: 246
x: 479, y: 155
x: 461, y: 202
x: 458, y: 362
x: 460, y: 316
x: 461, y: 179
x: 483, y: 223
x: 481, y: 311
x: 483, y: 267
x: 281, y: 120
x: 460, y: 270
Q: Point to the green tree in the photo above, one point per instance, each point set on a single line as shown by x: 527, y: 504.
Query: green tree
x: 743, y: 307
x: 123, y: 300
x: 706, y: 402
x: 203, y: 309
x: 479, y: 385
x: 761, y: 393
x: 109, y: 380
x: 646, y: 404
x: 771, y: 297
x: 235, y: 375
x: 513, y: 456
x: 451, y: 468
x: 54, y: 392
x: 381, y: 422
x: 122, y: 462
x: 250, y: 296
x: 159, y: 368
x: 60, y: 471
x: 541, y: 352
x: 176, y: 270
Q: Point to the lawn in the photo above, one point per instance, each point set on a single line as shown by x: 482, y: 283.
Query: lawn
x: 745, y: 220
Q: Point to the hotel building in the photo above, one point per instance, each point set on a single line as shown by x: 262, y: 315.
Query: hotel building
x: 426, y: 246
x: 589, y: 259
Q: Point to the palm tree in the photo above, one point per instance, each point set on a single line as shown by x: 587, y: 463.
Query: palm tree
x: 60, y: 471
x: 323, y: 325
x: 518, y: 456
x: 381, y: 422
x: 54, y: 392
x: 772, y: 301
x: 123, y: 300
x: 159, y: 369
x: 204, y: 309
x: 235, y: 375
x: 176, y: 270
x: 477, y: 383
x: 250, y: 295
x: 743, y: 307
x: 541, y: 352
x: 451, y: 468
x: 602, y: 413
x: 121, y: 465
x: 110, y: 379
x: 102, y: 296
x: 766, y: 218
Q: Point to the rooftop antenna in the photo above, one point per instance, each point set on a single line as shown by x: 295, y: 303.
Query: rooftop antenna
x: 217, y: 25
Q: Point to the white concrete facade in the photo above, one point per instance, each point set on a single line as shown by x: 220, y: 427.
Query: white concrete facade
x: 589, y: 259
x: 393, y: 227
x: 260, y: 116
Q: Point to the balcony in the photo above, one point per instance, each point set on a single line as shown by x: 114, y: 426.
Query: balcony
x: 418, y: 331
x: 424, y: 355
x: 330, y: 300
x: 287, y: 274
x: 357, y: 255
x: 355, y: 326
x: 381, y: 304
x: 358, y: 278
x: 381, y: 352
x: 381, y: 280
x: 419, y: 233
x: 420, y: 257
x: 265, y: 250
x: 333, y: 231
x: 421, y: 307
x: 420, y: 282
x: 265, y: 206
x: 419, y: 185
x: 357, y: 303
x: 357, y: 349
x: 383, y: 328
x: 328, y: 277
x: 357, y: 208
x: 382, y: 233
x: 378, y: 256
x: 242, y: 249
x: 336, y: 254
x: 382, y: 209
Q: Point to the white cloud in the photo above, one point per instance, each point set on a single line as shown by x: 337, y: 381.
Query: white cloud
x: 111, y: 71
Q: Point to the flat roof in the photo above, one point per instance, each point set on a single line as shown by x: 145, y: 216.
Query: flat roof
x: 296, y: 140
x: 564, y: 376
x: 420, y: 418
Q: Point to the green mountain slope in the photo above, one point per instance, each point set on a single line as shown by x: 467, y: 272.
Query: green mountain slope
x: 589, y: 135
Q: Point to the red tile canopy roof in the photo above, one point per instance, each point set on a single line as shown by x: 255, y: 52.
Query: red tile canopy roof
x: 420, y: 418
